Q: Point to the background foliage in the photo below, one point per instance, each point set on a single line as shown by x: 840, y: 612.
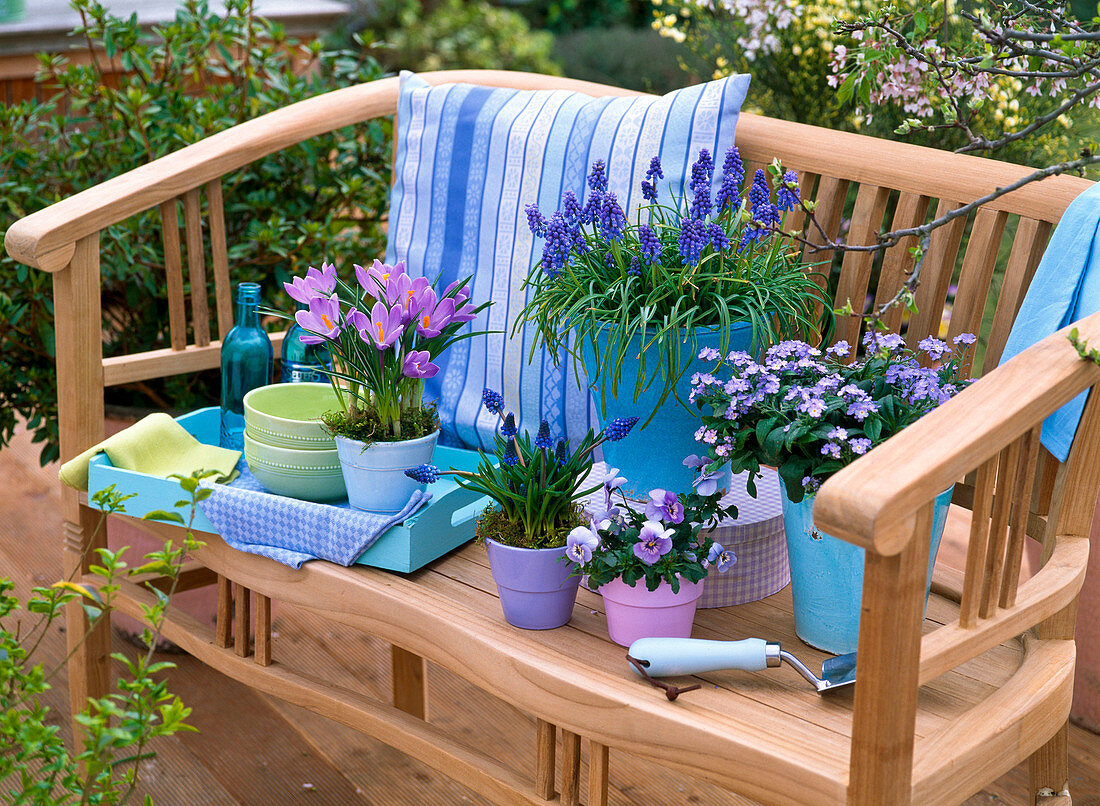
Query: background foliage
x: 187, y: 79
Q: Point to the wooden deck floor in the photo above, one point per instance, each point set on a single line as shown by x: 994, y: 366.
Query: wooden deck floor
x: 251, y: 749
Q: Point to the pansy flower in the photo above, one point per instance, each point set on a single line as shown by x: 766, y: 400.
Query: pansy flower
x: 654, y: 542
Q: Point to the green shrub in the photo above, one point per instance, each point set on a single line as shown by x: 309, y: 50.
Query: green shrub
x: 189, y: 78
x: 636, y: 58
x: 415, y: 35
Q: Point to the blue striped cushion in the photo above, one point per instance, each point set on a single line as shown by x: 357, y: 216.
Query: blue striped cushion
x: 469, y: 159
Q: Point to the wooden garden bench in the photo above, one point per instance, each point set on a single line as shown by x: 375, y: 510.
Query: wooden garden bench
x: 933, y: 719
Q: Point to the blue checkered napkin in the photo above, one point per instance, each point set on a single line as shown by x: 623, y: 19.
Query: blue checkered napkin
x: 292, y: 531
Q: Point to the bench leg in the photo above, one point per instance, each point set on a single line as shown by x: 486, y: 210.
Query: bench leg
x: 545, y: 758
x: 90, y: 645
x: 570, y: 768
x: 1048, y: 771
x: 410, y: 683
x: 597, y: 774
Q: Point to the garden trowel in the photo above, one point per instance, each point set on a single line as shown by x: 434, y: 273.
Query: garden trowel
x: 661, y: 657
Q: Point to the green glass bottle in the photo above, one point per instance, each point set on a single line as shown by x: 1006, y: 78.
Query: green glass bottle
x: 303, y: 362
x: 246, y: 364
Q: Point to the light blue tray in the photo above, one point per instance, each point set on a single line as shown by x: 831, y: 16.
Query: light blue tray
x: 443, y: 524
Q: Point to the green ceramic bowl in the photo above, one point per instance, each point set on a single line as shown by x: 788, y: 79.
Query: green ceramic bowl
x: 289, y: 415
x: 309, y: 474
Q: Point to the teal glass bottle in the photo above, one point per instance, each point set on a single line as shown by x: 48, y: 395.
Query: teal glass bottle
x: 303, y: 362
x: 246, y: 364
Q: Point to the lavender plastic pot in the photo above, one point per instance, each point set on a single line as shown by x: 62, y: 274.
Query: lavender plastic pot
x: 637, y: 612
x: 536, y: 588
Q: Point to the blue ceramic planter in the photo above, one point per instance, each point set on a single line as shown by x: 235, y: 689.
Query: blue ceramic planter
x: 652, y: 457
x: 827, y: 576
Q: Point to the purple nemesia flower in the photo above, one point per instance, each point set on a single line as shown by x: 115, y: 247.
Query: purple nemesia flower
x: 418, y: 364
x: 830, y: 449
x: 721, y: 557
x: 322, y: 319
x: 933, y: 348
x: 841, y: 349
x: 580, y: 544
x: 884, y: 342
x: 693, y: 240
x: 650, y: 244
x: 508, y: 428
x: 810, y: 484
x: 536, y: 221
x: 860, y: 445
x: 653, y: 542
x: 838, y: 433
x: 861, y: 408
x: 787, y: 194
x: 663, y: 505
x: 597, y: 180
x: 964, y: 338
x: 493, y: 401
x: 425, y: 474
x: 733, y: 174
x: 385, y: 325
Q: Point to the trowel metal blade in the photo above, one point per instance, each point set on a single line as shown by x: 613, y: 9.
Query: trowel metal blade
x: 838, y: 672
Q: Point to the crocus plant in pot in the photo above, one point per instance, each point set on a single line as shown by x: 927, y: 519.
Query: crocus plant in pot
x: 535, y: 485
x: 809, y: 414
x: 634, y: 301
x: 649, y: 560
x: 382, y: 333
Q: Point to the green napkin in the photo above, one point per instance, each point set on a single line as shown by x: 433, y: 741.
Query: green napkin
x: 156, y: 445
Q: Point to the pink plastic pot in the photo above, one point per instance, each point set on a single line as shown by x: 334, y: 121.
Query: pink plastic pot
x: 636, y: 612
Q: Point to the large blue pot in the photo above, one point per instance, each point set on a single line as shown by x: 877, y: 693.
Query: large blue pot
x: 827, y: 575
x: 653, y: 457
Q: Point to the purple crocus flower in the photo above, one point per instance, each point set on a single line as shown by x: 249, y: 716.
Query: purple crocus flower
x: 385, y: 325
x: 322, y: 320
x: 300, y: 290
x: 653, y: 542
x: 406, y: 293
x: 663, y: 505
x: 377, y: 278
x: 418, y: 364
x: 580, y: 544
x: 357, y: 320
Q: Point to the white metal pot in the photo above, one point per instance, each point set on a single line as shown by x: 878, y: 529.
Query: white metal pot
x: 375, y: 477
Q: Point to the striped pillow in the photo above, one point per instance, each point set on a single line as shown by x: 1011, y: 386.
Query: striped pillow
x: 469, y: 159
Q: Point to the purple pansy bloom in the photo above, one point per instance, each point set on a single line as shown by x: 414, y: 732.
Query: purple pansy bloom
x: 385, y: 325
x: 580, y: 544
x: 418, y: 364
x: 722, y: 557
x: 663, y: 505
x: 653, y: 542
x: 322, y: 319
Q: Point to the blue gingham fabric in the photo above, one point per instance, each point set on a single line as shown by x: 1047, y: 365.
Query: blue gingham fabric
x: 292, y: 531
x: 469, y: 159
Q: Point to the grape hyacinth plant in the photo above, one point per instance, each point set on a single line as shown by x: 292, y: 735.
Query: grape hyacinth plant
x: 810, y: 414
x: 665, y: 539
x: 707, y: 259
x: 534, y: 482
x: 383, y: 333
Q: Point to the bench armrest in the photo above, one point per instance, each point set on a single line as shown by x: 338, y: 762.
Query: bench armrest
x: 873, y: 502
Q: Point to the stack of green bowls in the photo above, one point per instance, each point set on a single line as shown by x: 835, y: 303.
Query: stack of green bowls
x: 285, y: 444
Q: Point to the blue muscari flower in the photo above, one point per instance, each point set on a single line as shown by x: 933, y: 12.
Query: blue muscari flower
x: 561, y: 452
x: 654, y: 172
x: 635, y: 267
x: 733, y: 174
x: 571, y: 209
x: 759, y: 193
x: 555, y: 251
x: 509, y: 429
x: 619, y: 428
x: 706, y: 162
x: 787, y: 193
x: 590, y: 213
x: 597, y: 180
x: 535, y: 220
x: 612, y: 218
x: 579, y: 242
x: 717, y: 235
x: 609, y: 259
x: 425, y: 474
x: 700, y: 186
x: 649, y: 191
x: 510, y: 456
x: 493, y: 401
x: 692, y: 240
x: 543, y: 439
x: 650, y: 244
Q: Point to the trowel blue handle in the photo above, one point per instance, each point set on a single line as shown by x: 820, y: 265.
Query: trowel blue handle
x: 673, y: 656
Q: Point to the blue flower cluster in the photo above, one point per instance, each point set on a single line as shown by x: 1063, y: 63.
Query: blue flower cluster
x: 816, y: 406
